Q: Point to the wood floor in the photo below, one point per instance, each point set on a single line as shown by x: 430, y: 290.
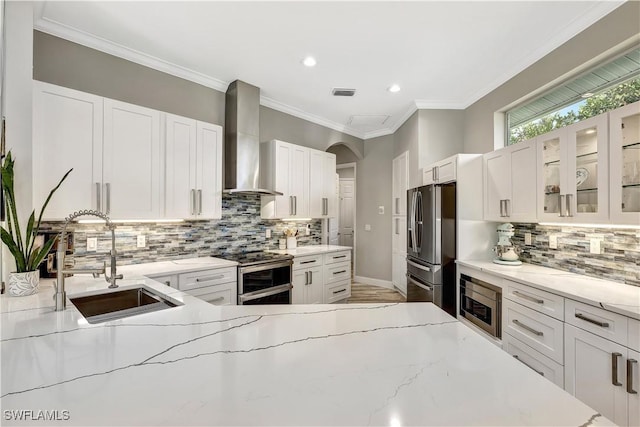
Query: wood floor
x: 373, y: 294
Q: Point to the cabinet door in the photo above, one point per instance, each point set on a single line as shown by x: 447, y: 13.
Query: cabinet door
x: 131, y: 161
x: 329, y: 185
x: 209, y: 171
x: 283, y: 175
x: 399, y: 271
x: 299, y: 183
x: 315, y: 288
x: 180, y: 166
x: 67, y: 133
x: 521, y: 203
x: 497, y: 184
x: 299, y: 291
x: 316, y: 184
x: 590, y: 375
x: 400, y: 184
x: 429, y: 175
x: 588, y: 170
x: 633, y: 387
x: 551, y: 180
x: 624, y: 152
x: 446, y: 170
x: 399, y: 237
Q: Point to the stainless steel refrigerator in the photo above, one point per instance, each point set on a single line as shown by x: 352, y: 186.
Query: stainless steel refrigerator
x: 431, y: 245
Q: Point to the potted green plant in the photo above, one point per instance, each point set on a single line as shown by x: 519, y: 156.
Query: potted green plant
x: 26, y: 253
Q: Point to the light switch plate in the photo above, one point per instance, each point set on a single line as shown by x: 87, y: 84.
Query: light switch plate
x: 367, y: 227
x: 267, y: 233
x: 553, y: 241
x: 380, y: 210
x: 141, y: 241
x: 527, y: 239
x: 594, y: 246
x: 92, y: 244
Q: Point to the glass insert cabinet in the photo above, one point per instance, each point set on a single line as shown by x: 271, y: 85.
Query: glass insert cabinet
x: 624, y: 145
x: 573, y: 184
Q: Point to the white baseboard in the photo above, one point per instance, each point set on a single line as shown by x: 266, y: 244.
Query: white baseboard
x: 374, y: 282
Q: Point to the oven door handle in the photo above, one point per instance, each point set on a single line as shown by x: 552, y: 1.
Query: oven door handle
x: 265, y: 293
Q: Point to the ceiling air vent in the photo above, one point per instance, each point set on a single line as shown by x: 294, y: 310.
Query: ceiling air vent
x: 341, y: 91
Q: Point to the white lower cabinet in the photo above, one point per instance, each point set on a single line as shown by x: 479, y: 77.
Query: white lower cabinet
x: 551, y: 370
x: 595, y: 374
x: 308, y: 286
x: 217, y: 286
x: 321, y: 278
x: 170, y: 280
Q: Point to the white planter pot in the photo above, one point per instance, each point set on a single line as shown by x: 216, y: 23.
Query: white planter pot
x: 23, y: 284
x: 292, y: 243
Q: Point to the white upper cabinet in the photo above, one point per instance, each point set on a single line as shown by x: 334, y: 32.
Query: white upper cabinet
x: 441, y: 172
x: 305, y: 177
x: 131, y: 162
x: 67, y: 133
x: 510, y: 183
x: 193, y: 169
x: 322, y: 188
x: 400, y: 173
x: 573, y: 181
x: 124, y: 164
x: 624, y: 146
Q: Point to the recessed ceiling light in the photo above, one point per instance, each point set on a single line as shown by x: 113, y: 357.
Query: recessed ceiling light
x: 309, y: 61
x: 394, y: 88
x: 587, y: 95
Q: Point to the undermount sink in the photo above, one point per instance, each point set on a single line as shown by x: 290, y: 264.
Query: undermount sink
x: 112, y: 305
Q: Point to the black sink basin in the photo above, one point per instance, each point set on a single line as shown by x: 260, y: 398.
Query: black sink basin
x: 119, y: 304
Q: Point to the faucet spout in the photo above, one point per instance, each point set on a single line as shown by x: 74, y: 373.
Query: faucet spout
x: 60, y: 296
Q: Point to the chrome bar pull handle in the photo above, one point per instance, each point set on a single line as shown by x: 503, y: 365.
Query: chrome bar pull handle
x: 437, y: 171
x: 528, y: 328
x: 515, y: 356
x: 290, y: 205
x: 108, y: 195
x: 397, y: 205
x: 193, y: 201
x: 306, y: 278
x: 614, y: 368
x: 532, y: 299
x: 98, y: 198
x: 502, y: 215
x: 561, y: 202
x: 199, y: 202
x: 311, y: 277
x: 569, y: 205
x: 630, y: 363
x: 295, y: 205
x: 507, y: 207
x: 595, y: 322
x: 433, y: 174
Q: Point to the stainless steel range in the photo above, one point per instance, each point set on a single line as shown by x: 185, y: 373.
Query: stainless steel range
x: 263, y: 277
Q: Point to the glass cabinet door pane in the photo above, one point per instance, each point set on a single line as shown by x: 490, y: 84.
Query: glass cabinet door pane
x: 631, y: 163
x: 587, y: 170
x: 551, y: 171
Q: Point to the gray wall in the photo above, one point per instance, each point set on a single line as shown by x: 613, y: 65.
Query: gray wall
x: 373, y: 189
x: 343, y: 154
x: 614, y: 29
x: 61, y: 62
x: 346, y: 173
x: 441, y: 134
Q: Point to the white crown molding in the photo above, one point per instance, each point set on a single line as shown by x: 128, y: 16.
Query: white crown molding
x: 425, y: 104
x: 57, y: 29
x: 566, y: 33
x: 301, y: 114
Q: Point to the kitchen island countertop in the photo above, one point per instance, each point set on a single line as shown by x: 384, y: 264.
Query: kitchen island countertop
x: 311, y: 250
x: 198, y: 364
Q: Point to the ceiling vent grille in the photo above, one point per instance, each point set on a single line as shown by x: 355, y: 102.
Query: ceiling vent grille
x: 341, y: 91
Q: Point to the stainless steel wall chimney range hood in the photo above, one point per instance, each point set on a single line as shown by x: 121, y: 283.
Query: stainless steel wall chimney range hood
x: 242, y: 140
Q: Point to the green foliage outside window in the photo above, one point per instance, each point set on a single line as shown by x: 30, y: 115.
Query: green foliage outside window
x: 619, y: 96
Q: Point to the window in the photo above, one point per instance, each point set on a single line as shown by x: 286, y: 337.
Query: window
x: 607, y: 87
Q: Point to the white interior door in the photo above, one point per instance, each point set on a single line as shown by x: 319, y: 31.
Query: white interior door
x: 347, y: 201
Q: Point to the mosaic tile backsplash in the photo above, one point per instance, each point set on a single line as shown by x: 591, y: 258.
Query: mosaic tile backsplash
x: 240, y: 229
x: 619, y: 258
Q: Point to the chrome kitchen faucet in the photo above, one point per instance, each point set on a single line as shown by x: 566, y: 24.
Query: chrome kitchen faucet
x: 60, y: 295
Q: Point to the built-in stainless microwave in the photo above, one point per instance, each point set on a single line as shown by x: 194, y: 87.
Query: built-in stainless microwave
x: 481, y: 304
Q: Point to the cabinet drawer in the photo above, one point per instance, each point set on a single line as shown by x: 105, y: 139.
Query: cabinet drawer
x: 337, y: 273
x: 601, y: 322
x: 337, y: 292
x: 634, y: 334
x: 540, y: 332
x: 536, y: 299
x: 167, y: 279
x: 307, y: 261
x: 335, y: 257
x: 200, y: 279
x: 225, y: 294
x: 538, y: 362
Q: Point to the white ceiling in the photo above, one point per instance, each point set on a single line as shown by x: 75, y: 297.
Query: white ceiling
x: 443, y: 54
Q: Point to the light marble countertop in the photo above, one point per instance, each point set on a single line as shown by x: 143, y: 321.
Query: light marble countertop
x: 198, y: 364
x: 612, y: 296
x: 174, y: 267
x: 311, y: 250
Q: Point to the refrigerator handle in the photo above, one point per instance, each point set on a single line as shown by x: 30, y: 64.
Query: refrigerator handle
x: 418, y: 221
x: 414, y: 207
